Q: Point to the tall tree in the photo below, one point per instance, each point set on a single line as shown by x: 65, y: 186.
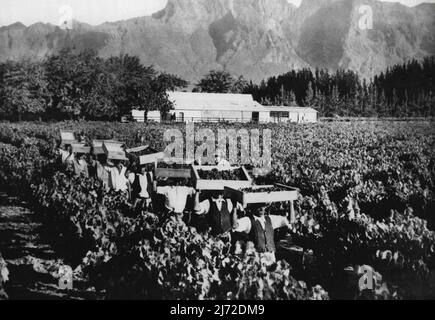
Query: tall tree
x: 216, y: 82
x: 25, y: 90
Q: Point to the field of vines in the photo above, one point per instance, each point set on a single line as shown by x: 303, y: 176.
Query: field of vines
x: 367, y: 201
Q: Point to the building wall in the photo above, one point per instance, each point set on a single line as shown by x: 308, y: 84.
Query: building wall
x: 295, y: 117
x: 139, y: 116
x: 303, y: 117
x: 213, y: 116
x: 264, y: 117
x: 310, y: 117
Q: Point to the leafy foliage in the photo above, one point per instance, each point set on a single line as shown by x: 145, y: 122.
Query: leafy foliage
x: 401, y: 91
x: 221, y: 82
x: 68, y: 85
x: 367, y: 200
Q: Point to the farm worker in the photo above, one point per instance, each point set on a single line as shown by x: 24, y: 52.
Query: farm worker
x: 66, y: 154
x: 80, y: 165
x: 102, y: 173
x: 260, y: 229
x: 118, y: 176
x: 221, y: 214
x: 138, y: 138
x: 141, y: 187
x: 92, y: 172
x: 82, y: 137
x: 176, y: 197
x: 221, y: 160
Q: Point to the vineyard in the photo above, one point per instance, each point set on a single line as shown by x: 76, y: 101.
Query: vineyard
x: 366, y: 203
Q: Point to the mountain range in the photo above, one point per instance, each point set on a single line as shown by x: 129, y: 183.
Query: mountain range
x: 253, y: 38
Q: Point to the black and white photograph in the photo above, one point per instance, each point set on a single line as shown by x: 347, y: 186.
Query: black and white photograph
x: 238, y: 153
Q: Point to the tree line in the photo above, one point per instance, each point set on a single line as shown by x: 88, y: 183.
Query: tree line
x: 82, y: 85
x: 406, y: 90
x: 68, y: 85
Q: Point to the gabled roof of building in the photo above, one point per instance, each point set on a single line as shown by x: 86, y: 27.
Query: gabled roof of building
x: 289, y: 109
x: 196, y: 101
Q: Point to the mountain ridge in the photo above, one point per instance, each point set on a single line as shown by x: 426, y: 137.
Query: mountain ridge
x: 253, y: 38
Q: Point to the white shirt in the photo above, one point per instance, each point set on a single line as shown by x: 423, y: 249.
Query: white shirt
x: 66, y: 156
x: 119, y: 180
x: 81, y: 167
x: 176, y: 197
x: 245, y: 225
x: 143, y: 182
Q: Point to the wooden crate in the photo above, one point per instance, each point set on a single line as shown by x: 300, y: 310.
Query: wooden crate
x: 114, y: 151
x: 120, y: 144
x: 201, y: 184
x: 67, y: 137
x: 245, y: 198
x: 138, y: 149
x: 173, y: 172
x: 98, y: 146
x: 152, y: 157
x: 81, y: 148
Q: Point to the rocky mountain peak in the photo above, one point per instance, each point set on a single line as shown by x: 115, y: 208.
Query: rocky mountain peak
x: 254, y: 38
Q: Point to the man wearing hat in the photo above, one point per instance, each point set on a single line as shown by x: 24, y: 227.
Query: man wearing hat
x: 260, y: 229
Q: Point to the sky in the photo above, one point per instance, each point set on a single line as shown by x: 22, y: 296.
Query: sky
x: 93, y: 11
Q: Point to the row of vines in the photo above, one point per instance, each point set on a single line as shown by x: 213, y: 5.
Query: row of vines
x: 367, y: 200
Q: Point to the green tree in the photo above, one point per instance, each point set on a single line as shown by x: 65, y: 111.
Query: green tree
x: 71, y: 81
x: 169, y: 82
x: 216, y: 82
x: 131, y: 85
x: 239, y: 85
x: 25, y: 90
x: 310, y: 99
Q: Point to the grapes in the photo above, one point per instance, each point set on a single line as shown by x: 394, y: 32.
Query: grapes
x: 215, y: 174
x: 263, y: 189
x: 178, y: 166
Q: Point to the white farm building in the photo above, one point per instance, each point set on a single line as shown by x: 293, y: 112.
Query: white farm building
x: 215, y: 107
x: 280, y: 114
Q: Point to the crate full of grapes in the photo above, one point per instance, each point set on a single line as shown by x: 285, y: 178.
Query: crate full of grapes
x: 67, y: 137
x: 114, y: 151
x: 81, y: 148
x: 262, y: 194
x: 216, y: 178
x: 97, y: 146
x: 173, y: 170
x: 145, y: 154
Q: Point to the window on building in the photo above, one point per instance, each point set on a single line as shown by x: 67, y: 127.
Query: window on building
x: 279, y: 114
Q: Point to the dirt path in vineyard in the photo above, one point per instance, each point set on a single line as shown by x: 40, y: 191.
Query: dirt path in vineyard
x: 32, y: 261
